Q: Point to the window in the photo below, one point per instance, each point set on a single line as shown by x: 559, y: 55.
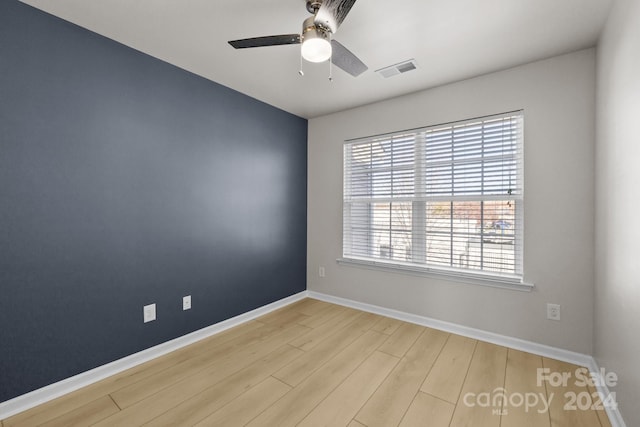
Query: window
x: 445, y: 198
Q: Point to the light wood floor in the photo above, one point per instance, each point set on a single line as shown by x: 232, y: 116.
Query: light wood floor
x: 313, y: 363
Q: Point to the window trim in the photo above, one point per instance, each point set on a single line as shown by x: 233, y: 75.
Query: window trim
x: 443, y: 273
x: 513, y: 281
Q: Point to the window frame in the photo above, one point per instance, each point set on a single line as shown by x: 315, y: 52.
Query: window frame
x: 418, y: 229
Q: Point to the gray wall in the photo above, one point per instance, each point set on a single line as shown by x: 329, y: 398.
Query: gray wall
x: 558, y: 98
x: 126, y: 181
x: 617, y: 345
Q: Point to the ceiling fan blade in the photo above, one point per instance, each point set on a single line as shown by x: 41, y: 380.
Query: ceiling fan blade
x: 266, y: 41
x: 332, y: 13
x: 343, y: 58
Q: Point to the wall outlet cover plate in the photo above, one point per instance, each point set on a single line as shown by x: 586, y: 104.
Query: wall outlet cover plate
x: 149, y: 313
x: 553, y: 311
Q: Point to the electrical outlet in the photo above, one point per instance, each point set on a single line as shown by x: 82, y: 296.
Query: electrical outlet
x: 553, y: 311
x: 149, y: 313
x: 186, y: 303
x: 321, y: 272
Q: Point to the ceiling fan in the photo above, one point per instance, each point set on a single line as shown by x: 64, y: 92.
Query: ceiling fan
x: 317, y: 40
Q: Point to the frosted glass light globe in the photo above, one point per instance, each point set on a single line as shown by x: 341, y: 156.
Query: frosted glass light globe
x: 316, y: 49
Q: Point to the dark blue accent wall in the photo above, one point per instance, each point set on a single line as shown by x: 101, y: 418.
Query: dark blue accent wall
x: 126, y: 181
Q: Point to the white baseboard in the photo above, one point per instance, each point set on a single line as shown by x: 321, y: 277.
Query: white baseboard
x: 518, y: 344
x: 615, y: 417
x: 52, y: 391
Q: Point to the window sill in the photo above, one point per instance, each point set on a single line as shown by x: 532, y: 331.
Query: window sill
x: 494, y: 281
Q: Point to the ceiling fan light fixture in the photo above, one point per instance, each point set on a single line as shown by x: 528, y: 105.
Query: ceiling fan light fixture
x: 316, y: 46
x: 316, y: 49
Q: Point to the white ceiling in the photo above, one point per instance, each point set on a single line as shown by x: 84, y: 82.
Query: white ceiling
x: 450, y: 39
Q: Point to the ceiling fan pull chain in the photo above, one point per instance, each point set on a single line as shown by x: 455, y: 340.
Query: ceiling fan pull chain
x: 301, y: 72
x: 330, y: 63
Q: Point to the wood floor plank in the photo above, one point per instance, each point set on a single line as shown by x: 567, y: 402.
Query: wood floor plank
x: 312, y: 306
x: 394, y: 396
x: 306, y: 306
x: 199, y: 361
x: 522, y: 380
x: 83, y: 396
x: 343, y: 403
x: 428, y: 410
x: 562, y: 412
x: 247, y: 406
x: 282, y: 317
x: 189, y: 386
x: 402, y: 339
x: 386, y: 325
x: 212, y: 399
x: 85, y: 415
x: 315, y: 336
x: 450, y: 369
x: 486, y: 374
x: 323, y: 316
x: 296, y: 404
x: 602, y: 413
x: 295, y: 372
x: 354, y: 423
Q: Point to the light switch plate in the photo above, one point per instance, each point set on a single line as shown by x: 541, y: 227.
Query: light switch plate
x: 186, y: 303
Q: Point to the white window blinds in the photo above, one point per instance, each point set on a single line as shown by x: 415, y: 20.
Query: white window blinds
x: 440, y: 197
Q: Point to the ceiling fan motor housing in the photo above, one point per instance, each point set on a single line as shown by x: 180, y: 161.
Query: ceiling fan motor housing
x: 312, y: 30
x: 316, y: 41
